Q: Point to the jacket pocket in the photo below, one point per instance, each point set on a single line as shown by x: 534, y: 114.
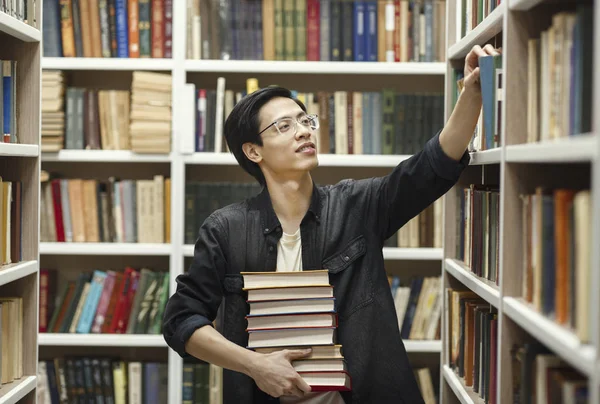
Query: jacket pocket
x: 352, y: 282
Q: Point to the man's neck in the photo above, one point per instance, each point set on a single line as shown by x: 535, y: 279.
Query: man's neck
x: 291, y: 200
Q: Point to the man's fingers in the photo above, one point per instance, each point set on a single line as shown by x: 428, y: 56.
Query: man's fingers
x: 490, y: 50
x: 302, y: 385
x: 297, y: 353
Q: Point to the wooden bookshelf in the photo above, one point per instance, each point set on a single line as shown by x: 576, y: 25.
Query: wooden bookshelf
x: 20, y: 166
x: 517, y: 168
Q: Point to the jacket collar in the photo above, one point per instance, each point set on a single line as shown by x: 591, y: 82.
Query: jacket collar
x: 269, y: 220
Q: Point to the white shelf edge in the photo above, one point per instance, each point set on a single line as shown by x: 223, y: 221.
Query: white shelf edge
x: 487, y: 29
x: 100, y: 64
x: 458, y: 388
x: 433, y: 346
x: 557, y: 338
x: 492, y: 156
x: 313, y: 67
x: 19, y: 389
x: 573, y: 149
x: 105, y: 156
x: 389, y: 253
x: 18, y: 29
x: 105, y: 249
x: 19, y: 150
x: 325, y: 160
x: 482, y: 287
x: 523, y: 5
x: 97, y: 340
x: 12, y: 272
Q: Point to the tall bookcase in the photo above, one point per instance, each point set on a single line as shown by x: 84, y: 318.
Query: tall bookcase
x: 517, y: 168
x: 20, y: 166
x: 183, y: 166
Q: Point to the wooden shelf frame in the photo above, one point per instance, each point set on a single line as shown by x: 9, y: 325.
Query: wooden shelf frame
x: 569, y: 162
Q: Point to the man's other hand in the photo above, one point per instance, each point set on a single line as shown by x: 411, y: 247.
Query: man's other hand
x: 471, y: 78
x: 275, y: 375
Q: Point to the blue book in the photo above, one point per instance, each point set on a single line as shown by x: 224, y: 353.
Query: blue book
x: 91, y: 303
x: 358, y: 32
x: 371, y: 31
x: 122, y: 29
x: 487, y: 73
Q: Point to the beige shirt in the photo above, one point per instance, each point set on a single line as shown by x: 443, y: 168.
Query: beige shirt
x: 289, y: 258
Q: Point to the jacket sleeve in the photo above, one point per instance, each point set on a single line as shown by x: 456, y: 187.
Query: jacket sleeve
x: 199, y: 291
x: 412, y: 186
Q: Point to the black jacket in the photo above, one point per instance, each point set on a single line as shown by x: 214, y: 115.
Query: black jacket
x: 343, y: 231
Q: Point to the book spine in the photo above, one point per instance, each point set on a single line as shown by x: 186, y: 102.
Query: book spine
x: 157, y: 28
x: 121, y: 29
x: 133, y: 25
x: 359, y: 35
x: 144, y: 28
x: 168, y: 34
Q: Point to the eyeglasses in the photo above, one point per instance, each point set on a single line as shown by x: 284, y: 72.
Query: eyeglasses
x: 289, y: 126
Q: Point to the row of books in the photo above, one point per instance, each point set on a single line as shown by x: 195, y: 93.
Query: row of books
x: 107, y: 302
x: 97, y: 28
x: 317, y: 30
x: 22, y: 10
x: 478, y: 230
x: 11, y: 339
x: 418, y: 307
x: 539, y: 376
x: 473, y: 13
x: 92, y: 119
x: 8, y: 101
x: 556, y: 255
x: 79, y: 379
x: 473, y: 342
x: 351, y: 122
x: 115, y: 210
x: 559, y: 70
x: 202, y: 383
x: 297, y: 309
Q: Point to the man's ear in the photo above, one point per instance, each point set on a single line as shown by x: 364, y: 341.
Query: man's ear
x: 252, y: 151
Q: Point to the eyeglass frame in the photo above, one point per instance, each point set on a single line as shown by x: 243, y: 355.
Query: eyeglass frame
x: 314, y: 116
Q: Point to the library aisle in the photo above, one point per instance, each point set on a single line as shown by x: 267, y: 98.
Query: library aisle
x: 112, y: 155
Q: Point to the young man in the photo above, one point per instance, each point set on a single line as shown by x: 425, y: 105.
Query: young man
x: 295, y: 225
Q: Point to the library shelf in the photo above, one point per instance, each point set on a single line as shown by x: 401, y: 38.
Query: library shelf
x: 325, y: 160
x: 557, y: 338
x: 13, y: 272
x: 105, y: 249
x: 464, y: 394
x: 313, y: 67
x: 486, y: 30
x: 18, y: 29
x: 484, y: 288
x: 389, y: 253
x: 105, y: 156
x: 11, y: 393
x: 433, y: 346
x: 123, y: 64
x: 491, y: 156
x: 105, y: 340
x: 19, y: 150
x: 573, y: 149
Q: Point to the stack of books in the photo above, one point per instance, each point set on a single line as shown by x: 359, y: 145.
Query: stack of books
x: 150, y: 120
x: 53, y: 111
x: 296, y: 310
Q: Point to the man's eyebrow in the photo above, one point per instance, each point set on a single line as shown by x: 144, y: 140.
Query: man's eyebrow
x: 299, y: 114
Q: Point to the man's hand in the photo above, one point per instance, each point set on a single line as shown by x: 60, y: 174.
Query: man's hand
x: 275, y: 375
x: 471, y: 78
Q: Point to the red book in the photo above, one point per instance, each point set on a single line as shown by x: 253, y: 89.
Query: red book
x: 328, y: 380
x: 58, y: 216
x: 313, y: 26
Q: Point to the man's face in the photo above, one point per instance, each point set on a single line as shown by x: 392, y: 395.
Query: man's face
x: 284, y: 151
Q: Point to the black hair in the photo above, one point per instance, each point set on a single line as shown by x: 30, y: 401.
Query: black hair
x: 242, y: 125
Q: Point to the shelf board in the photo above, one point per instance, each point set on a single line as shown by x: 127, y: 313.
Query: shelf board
x: 19, y: 150
x: 486, y: 30
x: 11, y: 393
x: 492, y: 156
x: 523, y: 5
x: 310, y: 67
x: 325, y: 160
x: 572, y: 149
x: 123, y: 64
x: 432, y: 346
x: 389, y: 253
x: 105, y: 156
x: 105, y: 249
x: 465, y: 395
x: 484, y: 288
x: 97, y: 340
x: 18, y: 29
x: 13, y: 272
x: 557, y: 338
